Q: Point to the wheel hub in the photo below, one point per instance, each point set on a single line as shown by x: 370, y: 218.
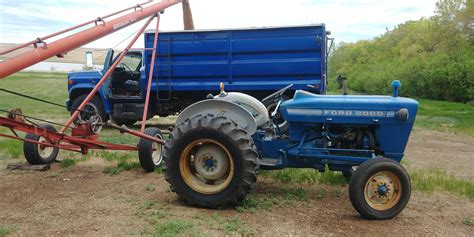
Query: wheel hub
x: 157, y: 151
x: 44, y: 151
x: 206, y: 166
x: 383, y: 190
x: 211, y: 162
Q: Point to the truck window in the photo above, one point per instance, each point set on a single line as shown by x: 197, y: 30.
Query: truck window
x: 132, y: 61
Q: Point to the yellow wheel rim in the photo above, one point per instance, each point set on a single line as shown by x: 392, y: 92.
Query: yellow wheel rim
x: 383, y: 190
x: 206, y: 166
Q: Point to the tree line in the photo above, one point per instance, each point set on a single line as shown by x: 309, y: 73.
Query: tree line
x: 433, y: 57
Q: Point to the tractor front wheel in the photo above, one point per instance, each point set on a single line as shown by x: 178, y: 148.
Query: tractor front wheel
x: 210, y: 162
x: 379, y: 189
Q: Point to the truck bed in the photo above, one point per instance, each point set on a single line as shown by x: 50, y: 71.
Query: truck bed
x: 256, y: 59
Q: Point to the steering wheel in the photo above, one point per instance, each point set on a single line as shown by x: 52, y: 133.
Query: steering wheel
x: 126, y: 67
x: 277, y: 95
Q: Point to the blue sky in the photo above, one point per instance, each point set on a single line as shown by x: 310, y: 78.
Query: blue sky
x: 348, y: 20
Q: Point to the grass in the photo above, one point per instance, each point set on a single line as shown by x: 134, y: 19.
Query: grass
x: 230, y: 226
x: 163, y: 222
x: 175, y: 228
x: 446, y: 116
x: 47, y: 86
x: 424, y: 181
x: 11, y: 148
x: 70, y: 162
x: 126, y: 161
x: 468, y: 221
x: 275, y: 197
x: 431, y: 181
x: 166, y: 223
x: 309, y: 176
x: 4, y: 231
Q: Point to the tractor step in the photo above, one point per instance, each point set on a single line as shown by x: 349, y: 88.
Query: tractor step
x: 269, y: 162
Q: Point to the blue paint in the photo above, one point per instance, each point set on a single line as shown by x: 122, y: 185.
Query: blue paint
x: 382, y: 190
x: 250, y: 59
x: 209, y: 163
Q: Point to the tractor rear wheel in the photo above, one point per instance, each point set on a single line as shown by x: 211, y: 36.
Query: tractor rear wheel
x: 380, y: 189
x: 150, y: 153
x: 37, y: 154
x: 210, y: 162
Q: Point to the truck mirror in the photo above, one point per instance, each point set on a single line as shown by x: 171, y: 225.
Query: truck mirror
x: 89, y: 59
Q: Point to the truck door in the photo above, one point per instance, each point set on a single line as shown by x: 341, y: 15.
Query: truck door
x: 107, y: 63
x: 125, y: 79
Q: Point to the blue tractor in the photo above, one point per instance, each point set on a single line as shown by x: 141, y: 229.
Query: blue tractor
x: 214, y: 153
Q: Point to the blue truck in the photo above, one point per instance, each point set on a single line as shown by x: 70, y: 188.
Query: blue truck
x: 191, y: 64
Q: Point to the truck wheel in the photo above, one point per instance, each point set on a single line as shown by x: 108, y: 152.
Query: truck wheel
x: 94, y: 107
x: 210, y: 162
x: 282, y: 124
x: 380, y: 189
x: 150, y: 153
x: 37, y: 154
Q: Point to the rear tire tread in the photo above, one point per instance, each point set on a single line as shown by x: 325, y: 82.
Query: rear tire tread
x: 243, y: 143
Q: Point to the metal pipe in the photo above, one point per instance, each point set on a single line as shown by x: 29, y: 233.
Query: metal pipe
x: 150, y: 76
x: 79, y: 39
x: 41, y: 39
x: 135, y: 133
x: 105, y: 76
x: 187, y: 16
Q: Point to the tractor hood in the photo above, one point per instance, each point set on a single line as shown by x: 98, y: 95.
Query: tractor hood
x: 308, y: 107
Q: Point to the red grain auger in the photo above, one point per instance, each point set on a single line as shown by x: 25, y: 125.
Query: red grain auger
x: 42, y: 141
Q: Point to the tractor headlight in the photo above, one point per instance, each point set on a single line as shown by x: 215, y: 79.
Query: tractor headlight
x: 402, y: 114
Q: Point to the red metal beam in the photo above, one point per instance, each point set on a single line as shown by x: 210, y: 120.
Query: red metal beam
x: 64, y: 45
x: 42, y: 39
x: 56, y: 138
x: 150, y: 76
x: 187, y: 16
x: 68, y: 148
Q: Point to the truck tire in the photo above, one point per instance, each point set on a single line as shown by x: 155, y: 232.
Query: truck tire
x: 379, y: 189
x: 37, y: 154
x: 282, y: 124
x: 150, y: 159
x: 210, y: 162
x: 95, y: 106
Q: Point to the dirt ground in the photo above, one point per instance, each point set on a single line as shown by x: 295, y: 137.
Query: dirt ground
x: 431, y: 150
x: 83, y: 200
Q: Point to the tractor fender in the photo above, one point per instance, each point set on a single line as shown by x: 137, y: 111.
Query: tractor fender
x: 228, y: 109
x: 251, y: 104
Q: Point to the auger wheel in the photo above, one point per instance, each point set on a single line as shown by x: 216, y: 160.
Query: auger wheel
x: 210, y: 162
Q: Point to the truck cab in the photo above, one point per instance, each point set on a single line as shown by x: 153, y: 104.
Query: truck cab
x: 123, y: 87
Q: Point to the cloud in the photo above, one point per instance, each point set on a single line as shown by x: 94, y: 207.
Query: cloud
x: 349, y: 20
